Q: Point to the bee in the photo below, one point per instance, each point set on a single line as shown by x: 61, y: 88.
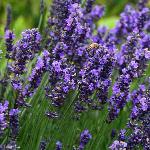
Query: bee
x: 93, y: 46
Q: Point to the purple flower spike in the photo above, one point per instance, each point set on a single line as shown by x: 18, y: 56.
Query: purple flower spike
x: 84, y: 139
x: 58, y: 145
x: 14, y: 122
x: 25, y: 49
x: 3, y: 113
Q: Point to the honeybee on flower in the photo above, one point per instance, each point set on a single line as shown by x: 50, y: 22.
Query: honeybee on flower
x: 92, y: 46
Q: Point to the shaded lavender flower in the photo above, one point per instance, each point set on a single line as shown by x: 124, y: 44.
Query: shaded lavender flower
x: 52, y: 115
x: 118, y: 145
x: 9, y: 38
x: 84, y: 139
x: 147, y: 26
x: 58, y: 145
x: 43, y: 145
x: 41, y: 6
x: 3, y: 113
x: 8, y: 17
x: 14, y: 122
x: 122, y: 135
x: 142, y: 4
x: 113, y: 133
x: 88, y: 5
x: 97, y: 12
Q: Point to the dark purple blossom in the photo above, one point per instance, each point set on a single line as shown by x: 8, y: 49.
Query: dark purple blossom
x: 14, y: 122
x: 9, y: 38
x: 8, y: 17
x: 43, y: 145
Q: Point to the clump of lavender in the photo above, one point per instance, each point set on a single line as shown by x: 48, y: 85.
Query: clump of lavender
x: 133, y: 60
x: 137, y: 133
x: 70, y: 55
x: 3, y: 117
x: 140, y: 119
x: 84, y: 139
x: 95, y: 76
x: 131, y: 19
x: 23, y: 51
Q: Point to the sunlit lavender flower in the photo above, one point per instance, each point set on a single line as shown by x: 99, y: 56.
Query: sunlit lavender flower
x: 3, y: 113
x: 58, y: 145
x: 25, y: 49
x: 118, y: 145
x: 37, y: 73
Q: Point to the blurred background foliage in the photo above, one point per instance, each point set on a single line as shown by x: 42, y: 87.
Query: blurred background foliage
x: 26, y: 14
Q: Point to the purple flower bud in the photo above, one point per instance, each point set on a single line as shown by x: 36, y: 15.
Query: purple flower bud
x: 84, y: 139
x: 58, y: 145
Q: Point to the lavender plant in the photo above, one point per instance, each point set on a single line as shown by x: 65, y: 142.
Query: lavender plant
x: 69, y: 86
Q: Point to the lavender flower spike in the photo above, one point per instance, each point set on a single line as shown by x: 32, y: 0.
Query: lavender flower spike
x: 84, y: 139
x: 9, y: 38
x: 14, y: 122
x: 58, y: 145
x: 3, y: 113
